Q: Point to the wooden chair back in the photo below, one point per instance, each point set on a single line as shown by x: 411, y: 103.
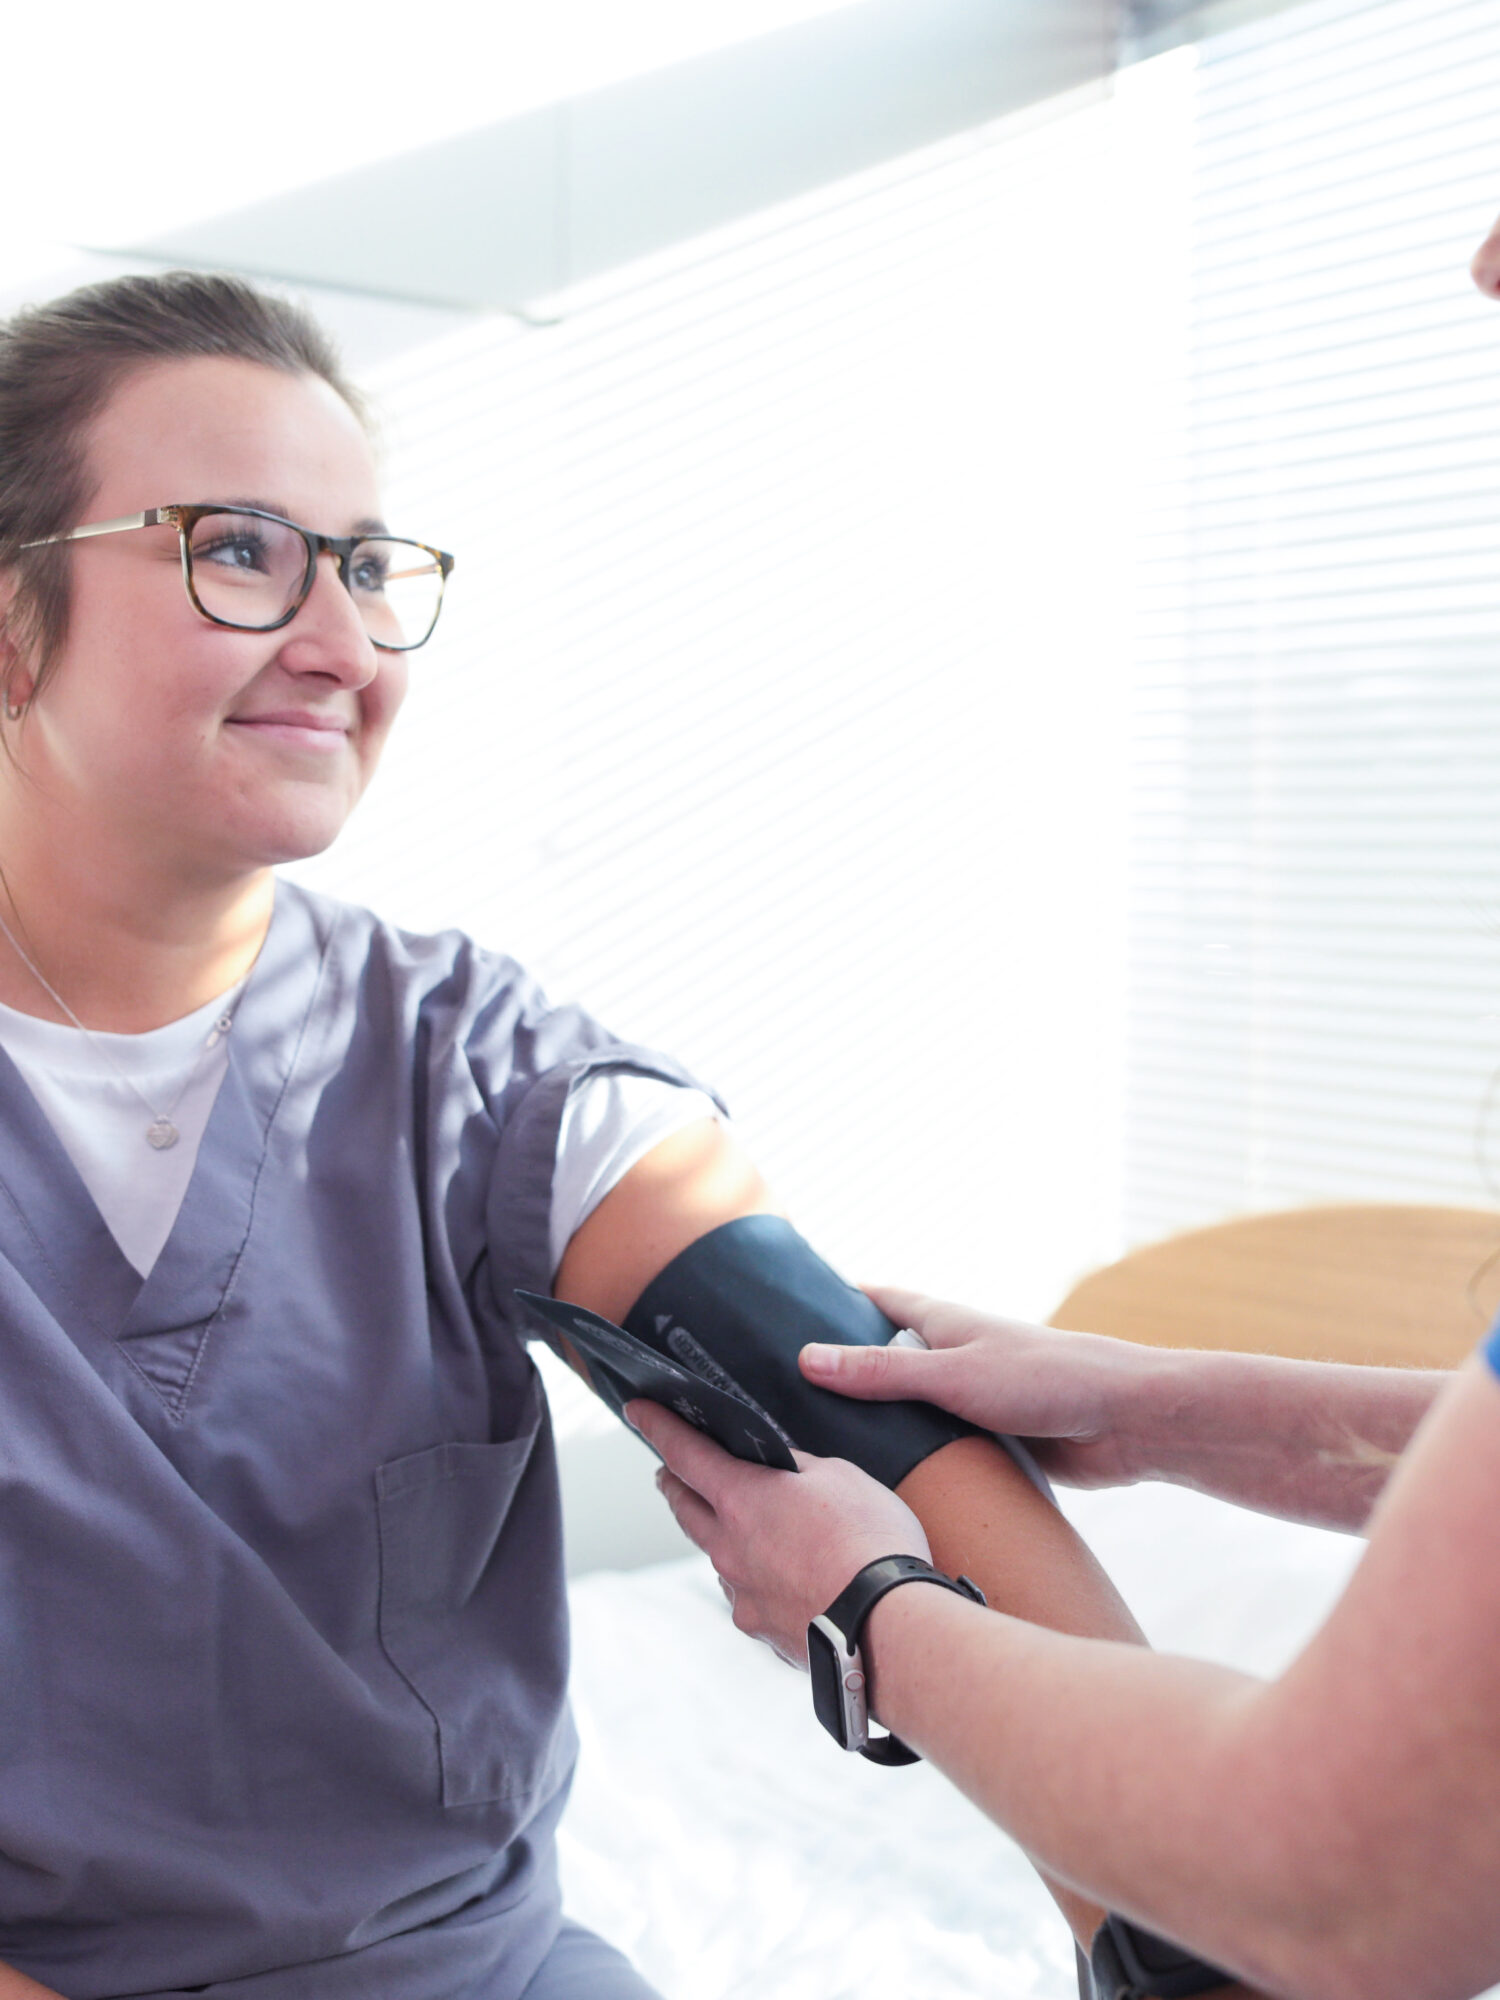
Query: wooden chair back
x: 1405, y: 1287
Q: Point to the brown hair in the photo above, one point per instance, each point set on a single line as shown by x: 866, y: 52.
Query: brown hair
x: 59, y: 365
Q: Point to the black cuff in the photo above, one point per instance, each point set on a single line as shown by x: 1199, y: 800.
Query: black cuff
x: 737, y: 1306
x: 1128, y: 1962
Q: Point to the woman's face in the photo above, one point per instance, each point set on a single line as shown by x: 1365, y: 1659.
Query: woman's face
x: 213, y: 750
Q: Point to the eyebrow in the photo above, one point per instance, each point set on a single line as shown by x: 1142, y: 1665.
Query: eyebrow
x: 369, y: 525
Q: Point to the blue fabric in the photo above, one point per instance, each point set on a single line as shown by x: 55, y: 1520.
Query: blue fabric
x: 282, y: 1627
x: 581, y: 1966
x: 1491, y: 1347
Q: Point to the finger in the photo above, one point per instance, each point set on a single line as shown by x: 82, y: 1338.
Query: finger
x: 695, y: 1459
x: 691, y: 1512
x: 919, y: 1310
x: 881, y: 1374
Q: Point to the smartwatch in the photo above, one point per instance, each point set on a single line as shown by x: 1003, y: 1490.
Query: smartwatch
x: 1128, y: 1963
x: 837, y: 1667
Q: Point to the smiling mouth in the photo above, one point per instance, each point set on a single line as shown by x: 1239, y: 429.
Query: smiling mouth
x: 313, y: 732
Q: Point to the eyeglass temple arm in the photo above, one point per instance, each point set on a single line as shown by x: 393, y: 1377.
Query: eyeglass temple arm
x: 152, y: 518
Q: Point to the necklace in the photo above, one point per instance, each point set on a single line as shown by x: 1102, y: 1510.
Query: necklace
x: 161, y: 1132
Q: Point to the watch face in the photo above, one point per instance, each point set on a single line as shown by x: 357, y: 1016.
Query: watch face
x: 826, y: 1661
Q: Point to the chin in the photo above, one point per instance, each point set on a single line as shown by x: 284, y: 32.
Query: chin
x: 304, y: 847
x: 293, y: 839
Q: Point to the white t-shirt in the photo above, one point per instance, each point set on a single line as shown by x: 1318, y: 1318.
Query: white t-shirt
x: 610, y: 1122
x: 102, y: 1123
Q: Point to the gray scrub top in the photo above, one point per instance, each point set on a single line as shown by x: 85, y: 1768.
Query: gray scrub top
x: 283, y: 1636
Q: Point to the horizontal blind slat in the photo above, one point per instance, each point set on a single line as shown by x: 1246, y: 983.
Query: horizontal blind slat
x: 1314, y: 928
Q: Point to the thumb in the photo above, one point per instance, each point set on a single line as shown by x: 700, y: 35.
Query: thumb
x: 934, y: 1322
x: 880, y: 1374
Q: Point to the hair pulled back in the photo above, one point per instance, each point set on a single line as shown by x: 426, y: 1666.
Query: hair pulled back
x: 59, y: 365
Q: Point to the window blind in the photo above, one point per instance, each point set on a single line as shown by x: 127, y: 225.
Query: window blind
x: 775, y: 714
x: 782, y: 714
x: 1314, y: 909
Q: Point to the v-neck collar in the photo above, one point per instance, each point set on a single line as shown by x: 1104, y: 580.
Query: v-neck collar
x: 52, y: 1231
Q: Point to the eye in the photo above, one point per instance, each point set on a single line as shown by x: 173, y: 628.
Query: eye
x: 369, y: 567
x: 241, y: 549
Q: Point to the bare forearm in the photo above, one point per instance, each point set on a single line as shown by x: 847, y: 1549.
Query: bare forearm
x: 1310, y: 1441
x: 1313, y: 1441
x: 1112, y: 1766
x: 984, y: 1519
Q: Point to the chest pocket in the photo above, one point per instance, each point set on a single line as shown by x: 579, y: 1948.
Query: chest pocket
x: 472, y: 1614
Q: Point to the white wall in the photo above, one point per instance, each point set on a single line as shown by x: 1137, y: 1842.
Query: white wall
x: 777, y: 714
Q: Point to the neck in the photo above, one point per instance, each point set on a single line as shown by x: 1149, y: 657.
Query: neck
x: 125, y: 949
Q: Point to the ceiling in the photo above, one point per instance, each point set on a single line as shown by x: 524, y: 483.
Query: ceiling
x: 513, y: 213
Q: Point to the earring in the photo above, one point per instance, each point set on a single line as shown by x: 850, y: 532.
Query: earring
x: 10, y: 661
x: 13, y: 709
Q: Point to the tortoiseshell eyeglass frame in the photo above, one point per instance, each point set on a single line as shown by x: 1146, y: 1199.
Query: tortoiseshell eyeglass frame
x: 341, y: 547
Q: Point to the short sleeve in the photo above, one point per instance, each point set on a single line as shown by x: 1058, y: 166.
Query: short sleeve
x: 520, y: 1202
x: 608, y: 1124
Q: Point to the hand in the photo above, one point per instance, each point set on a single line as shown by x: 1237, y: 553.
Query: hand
x: 784, y: 1543
x: 1067, y: 1394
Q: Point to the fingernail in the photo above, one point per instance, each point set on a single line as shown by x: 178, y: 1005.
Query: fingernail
x: 823, y: 1360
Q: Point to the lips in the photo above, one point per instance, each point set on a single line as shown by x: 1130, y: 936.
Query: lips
x: 294, y: 718
x: 300, y: 729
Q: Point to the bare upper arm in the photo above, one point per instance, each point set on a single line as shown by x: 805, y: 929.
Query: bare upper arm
x: 692, y: 1182
x: 1375, y: 1758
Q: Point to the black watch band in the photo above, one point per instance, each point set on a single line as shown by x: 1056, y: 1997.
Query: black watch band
x: 849, y: 1612
x: 863, y: 1592
x: 1128, y: 1963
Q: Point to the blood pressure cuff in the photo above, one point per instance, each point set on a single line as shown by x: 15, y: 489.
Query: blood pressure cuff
x: 738, y: 1305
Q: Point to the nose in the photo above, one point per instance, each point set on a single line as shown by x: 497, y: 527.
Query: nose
x: 328, y: 636
x: 1485, y: 267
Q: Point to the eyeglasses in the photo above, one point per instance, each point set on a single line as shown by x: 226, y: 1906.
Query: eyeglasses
x: 254, y: 571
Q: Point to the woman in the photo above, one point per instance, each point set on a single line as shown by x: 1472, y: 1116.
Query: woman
x: 282, y: 1633
x: 1333, y: 1833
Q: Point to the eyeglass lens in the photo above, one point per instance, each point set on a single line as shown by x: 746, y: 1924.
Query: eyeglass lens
x: 250, y: 571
